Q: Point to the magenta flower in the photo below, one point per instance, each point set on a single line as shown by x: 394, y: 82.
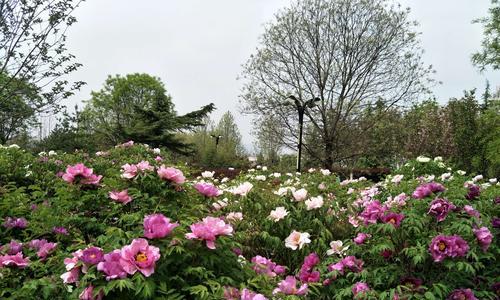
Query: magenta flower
x: 361, y: 238
x: 139, y: 256
x: 60, y: 230
x: 158, y: 226
x: 14, y: 247
x: 122, y: 197
x: 129, y: 171
x: 45, y: 249
x: 393, y: 218
x: 471, y: 211
x: 484, y: 237
x: 111, y: 265
x: 14, y: 261
x: 306, y: 273
x: 373, y: 210
x: 207, y: 189
x: 360, y: 287
x: 462, y: 294
x: 289, y: 287
x: 208, y: 230
x: 495, y: 222
x: 81, y: 174
x: 262, y: 265
x: 92, y: 255
x: 448, y: 246
x: 440, y: 208
x: 427, y: 189
x: 473, y: 193
x: 13, y: 222
x: 231, y: 293
x: 88, y: 294
x: 352, y: 263
x: 171, y: 174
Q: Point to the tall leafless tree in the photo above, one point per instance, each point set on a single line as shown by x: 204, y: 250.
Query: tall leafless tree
x: 350, y: 54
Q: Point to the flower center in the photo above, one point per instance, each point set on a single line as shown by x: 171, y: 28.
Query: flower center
x: 392, y: 221
x: 141, y: 257
x: 441, y: 246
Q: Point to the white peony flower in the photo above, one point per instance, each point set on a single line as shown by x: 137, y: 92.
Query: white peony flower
x: 336, y: 247
x: 156, y: 150
x: 493, y: 180
x: 234, y: 216
x: 325, y: 172
x: 297, y: 240
x: 260, y: 178
x: 208, y: 174
x: 300, y: 195
x: 242, y: 189
x: 423, y: 159
x: 460, y: 172
x: 52, y: 153
x: 438, y: 158
x: 314, y: 202
x: 278, y: 213
x: 397, y: 179
x: 477, y: 178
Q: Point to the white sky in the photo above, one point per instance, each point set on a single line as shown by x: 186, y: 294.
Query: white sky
x: 197, y: 47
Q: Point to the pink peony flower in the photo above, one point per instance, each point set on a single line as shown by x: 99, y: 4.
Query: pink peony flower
x: 158, y: 226
x: 393, y: 218
x: 81, y: 174
x: 71, y: 276
x: 361, y: 238
x: 92, y: 255
x: 427, y: 189
x: 139, y: 256
x: 129, y: 171
x: 60, y: 230
x: 208, y: 230
x: 45, y: 249
x: 484, y: 237
x: 13, y: 222
x: 122, y: 197
x: 306, y: 273
x: 462, y: 294
x: 207, y: 189
x: 262, y: 265
x: 246, y: 294
x: 14, y: 247
x: 373, y: 210
x: 88, y: 294
x: 111, y: 265
x: 448, y: 246
x: 471, y: 211
x: 473, y: 193
x: 360, y: 287
x: 144, y: 166
x: 171, y: 174
x: 289, y: 287
x: 440, y: 208
x: 16, y: 260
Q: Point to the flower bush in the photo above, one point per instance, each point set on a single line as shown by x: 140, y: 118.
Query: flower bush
x: 128, y: 224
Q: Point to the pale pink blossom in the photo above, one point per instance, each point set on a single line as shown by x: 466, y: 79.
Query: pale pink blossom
x: 314, y: 203
x: 243, y: 189
x: 297, y: 240
x: 129, y: 171
x: 300, y: 195
x: 157, y: 226
x: 278, y: 213
x: 122, y: 197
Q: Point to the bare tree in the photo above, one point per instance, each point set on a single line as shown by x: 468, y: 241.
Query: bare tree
x: 33, y: 49
x: 350, y: 54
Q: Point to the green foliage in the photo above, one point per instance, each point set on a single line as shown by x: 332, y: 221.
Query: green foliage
x: 187, y: 269
x: 489, y: 56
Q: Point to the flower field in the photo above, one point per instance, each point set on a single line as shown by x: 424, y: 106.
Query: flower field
x: 129, y: 224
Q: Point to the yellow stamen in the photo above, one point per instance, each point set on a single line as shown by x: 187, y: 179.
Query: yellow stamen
x: 141, y: 257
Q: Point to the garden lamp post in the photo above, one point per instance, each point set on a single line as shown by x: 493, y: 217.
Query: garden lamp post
x: 301, y: 108
x: 217, y: 138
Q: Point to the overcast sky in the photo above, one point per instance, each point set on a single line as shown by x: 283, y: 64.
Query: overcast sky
x: 197, y: 47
